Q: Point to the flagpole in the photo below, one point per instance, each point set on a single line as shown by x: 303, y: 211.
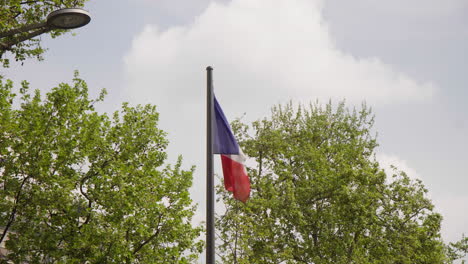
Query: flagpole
x: 210, y: 228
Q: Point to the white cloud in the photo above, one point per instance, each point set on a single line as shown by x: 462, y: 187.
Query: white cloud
x: 263, y: 51
x: 386, y: 162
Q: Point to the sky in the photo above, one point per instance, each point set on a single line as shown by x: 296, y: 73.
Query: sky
x: 406, y: 59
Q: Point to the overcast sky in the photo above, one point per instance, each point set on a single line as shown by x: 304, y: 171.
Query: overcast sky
x: 406, y: 59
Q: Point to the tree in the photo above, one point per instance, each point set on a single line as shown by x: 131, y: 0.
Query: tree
x: 17, y: 13
x: 81, y: 186
x: 319, y: 195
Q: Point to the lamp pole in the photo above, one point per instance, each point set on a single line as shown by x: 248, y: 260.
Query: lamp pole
x: 66, y: 18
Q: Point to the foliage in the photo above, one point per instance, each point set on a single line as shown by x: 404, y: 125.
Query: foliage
x: 458, y: 250
x: 81, y: 186
x: 17, y: 13
x: 319, y: 195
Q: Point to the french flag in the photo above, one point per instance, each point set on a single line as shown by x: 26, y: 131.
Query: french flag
x: 236, y: 179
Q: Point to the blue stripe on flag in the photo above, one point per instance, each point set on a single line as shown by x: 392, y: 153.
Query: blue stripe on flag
x: 223, y: 139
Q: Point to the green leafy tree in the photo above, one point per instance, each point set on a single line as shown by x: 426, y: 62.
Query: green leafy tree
x: 319, y: 195
x: 81, y: 186
x: 17, y: 13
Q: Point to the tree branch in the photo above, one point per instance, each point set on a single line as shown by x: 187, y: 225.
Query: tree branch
x: 12, y: 217
x: 90, y: 201
x: 151, y: 237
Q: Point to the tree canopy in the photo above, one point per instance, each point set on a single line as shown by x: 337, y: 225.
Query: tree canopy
x: 17, y: 13
x: 320, y: 196
x: 77, y: 185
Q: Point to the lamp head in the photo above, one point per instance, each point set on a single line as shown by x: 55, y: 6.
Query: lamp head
x: 68, y: 18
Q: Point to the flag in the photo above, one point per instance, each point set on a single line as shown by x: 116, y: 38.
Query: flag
x: 236, y: 179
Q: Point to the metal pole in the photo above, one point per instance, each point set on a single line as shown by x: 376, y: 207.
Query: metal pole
x: 210, y: 210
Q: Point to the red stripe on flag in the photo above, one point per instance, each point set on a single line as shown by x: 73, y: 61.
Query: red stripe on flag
x: 236, y: 179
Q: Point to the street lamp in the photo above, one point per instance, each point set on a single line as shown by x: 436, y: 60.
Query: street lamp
x: 67, y: 18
